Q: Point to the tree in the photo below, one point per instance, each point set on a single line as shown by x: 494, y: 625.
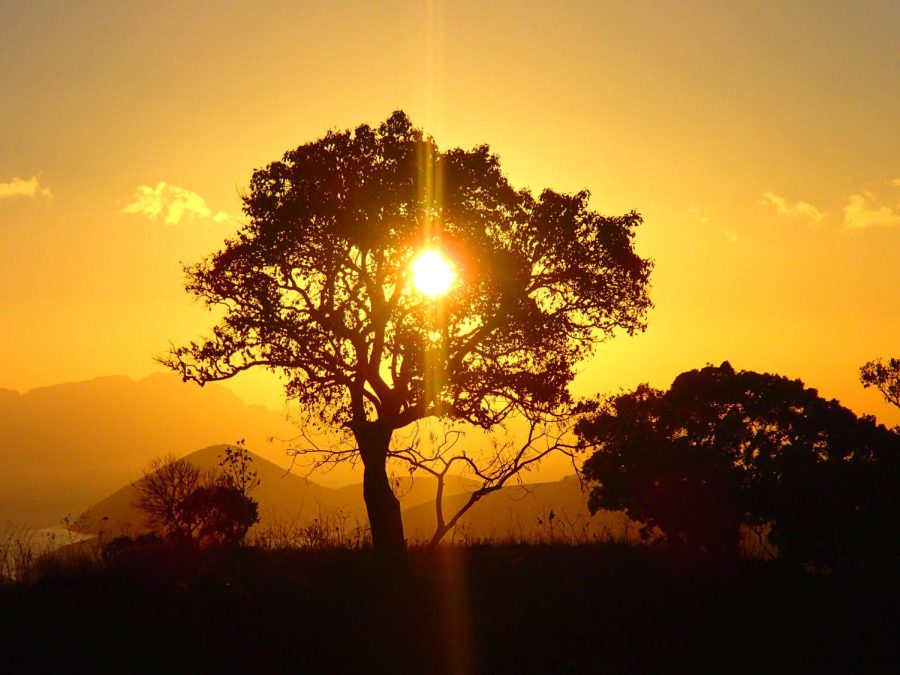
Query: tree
x: 236, y: 469
x: 884, y: 376
x: 162, y: 492
x: 317, y: 287
x: 188, y: 505
x: 511, y: 452
x: 226, y: 508
x: 721, y: 449
x: 223, y: 513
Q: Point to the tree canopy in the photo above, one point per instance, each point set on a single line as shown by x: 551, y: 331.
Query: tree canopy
x: 188, y: 505
x: 316, y: 287
x: 724, y: 448
x: 884, y: 376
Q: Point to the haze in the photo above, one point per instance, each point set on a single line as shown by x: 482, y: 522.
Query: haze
x: 759, y: 141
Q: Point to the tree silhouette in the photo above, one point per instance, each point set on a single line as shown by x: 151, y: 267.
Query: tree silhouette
x: 721, y: 449
x: 191, y: 506
x: 162, y: 493
x: 316, y: 287
x: 884, y: 376
x: 223, y: 514
x: 236, y: 469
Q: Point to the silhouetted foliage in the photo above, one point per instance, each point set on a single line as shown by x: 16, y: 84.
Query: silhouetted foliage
x: 884, y: 376
x: 223, y: 513
x: 723, y: 448
x: 161, y: 495
x: 184, y: 504
x: 237, y: 472
x: 316, y: 287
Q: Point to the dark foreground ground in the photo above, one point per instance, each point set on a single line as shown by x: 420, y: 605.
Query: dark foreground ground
x: 504, y: 609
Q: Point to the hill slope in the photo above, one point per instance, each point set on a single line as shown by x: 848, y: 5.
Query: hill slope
x: 66, y: 446
x: 522, y: 512
x: 287, y: 500
x: 283, y: 497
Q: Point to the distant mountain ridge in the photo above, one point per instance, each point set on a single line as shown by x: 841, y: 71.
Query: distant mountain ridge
x: 67, y: 447
x: 554, y: 510
x: 64, y: 447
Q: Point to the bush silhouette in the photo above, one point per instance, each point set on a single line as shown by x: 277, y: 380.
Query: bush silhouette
x: 224, y: 514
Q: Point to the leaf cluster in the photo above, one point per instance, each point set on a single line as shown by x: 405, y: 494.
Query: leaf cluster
x: 884, y: 375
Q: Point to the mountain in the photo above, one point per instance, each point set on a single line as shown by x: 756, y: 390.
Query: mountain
x: 8, y: 397
x: 522, y: 512
x: 412, y: 491
x: 289, y: 501
x: 283, y: 498
x: 66, y: 446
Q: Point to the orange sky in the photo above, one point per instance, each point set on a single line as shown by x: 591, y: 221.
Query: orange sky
x: 760, y: 142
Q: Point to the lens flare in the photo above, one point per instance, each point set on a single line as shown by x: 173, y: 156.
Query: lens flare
x: 432, y: 273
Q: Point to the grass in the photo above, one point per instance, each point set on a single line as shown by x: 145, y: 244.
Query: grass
x: 500, y: 608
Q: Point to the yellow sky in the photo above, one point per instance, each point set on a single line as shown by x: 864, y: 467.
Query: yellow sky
x: 760, y: 142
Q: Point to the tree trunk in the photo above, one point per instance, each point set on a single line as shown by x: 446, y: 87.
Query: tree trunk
x: 381, y: 504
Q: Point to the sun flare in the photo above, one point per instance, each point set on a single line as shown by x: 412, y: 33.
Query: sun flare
x: 432, y: 273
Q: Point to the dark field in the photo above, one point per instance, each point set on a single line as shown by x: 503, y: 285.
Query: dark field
x: 491, y: 609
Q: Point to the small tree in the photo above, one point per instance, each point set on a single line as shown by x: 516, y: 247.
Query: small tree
x: 721, y: 449
x: 161, y: 495
x: 510, y: 453
x: 318, y: 286
x: 223, y: 513
x: 236, y: 468
x: 884, y: 376
x: 186, y: 504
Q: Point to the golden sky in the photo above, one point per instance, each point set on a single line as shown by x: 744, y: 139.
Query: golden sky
x: 760, y: 140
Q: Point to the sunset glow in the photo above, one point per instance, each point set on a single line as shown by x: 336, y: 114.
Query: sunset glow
x: 770, y: 188
x: 449, y: 337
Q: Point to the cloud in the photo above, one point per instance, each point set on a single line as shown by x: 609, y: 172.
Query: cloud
x: 896, y: 182
x: 865, y: 211
x: 698, y: 216
x: 798, y: 210
x: 732, y: 236
x: 171, y: 204
x: 23, y: 188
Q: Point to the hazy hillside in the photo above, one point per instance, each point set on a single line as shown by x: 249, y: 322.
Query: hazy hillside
x: 520, y: 512
x: 66, y: 446
x: 8, y: 397
x: 420, y: 489
x: 282, y: 497
x: 287, y: 499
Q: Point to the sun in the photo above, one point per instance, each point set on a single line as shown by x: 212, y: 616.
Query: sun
x: 432, y: 273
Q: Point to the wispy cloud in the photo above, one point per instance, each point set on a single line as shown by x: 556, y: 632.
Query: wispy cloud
x: 732, y: 236
x: 697, y: 215
x: 23, y: 188
x: 865, y: 211
x: 172, y: 204
x: 802, y: 210
x: 896, y: 182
